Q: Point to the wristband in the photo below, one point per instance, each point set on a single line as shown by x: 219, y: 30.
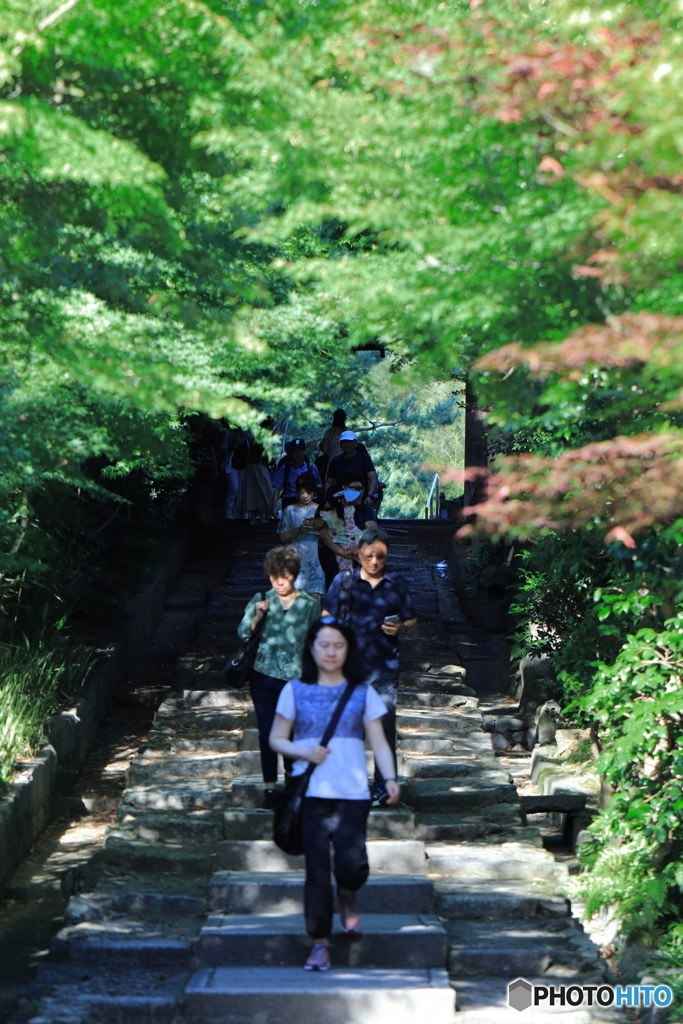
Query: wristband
x: 392, y: 779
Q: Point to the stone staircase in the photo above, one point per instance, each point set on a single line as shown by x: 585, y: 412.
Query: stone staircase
x: 189, y: 913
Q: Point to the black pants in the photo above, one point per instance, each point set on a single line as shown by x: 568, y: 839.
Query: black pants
x: 344, y: 824
x: 265, y: 691
x: 386, y: 684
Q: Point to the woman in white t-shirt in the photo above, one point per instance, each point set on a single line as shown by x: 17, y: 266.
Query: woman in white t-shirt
x: 337, y: 800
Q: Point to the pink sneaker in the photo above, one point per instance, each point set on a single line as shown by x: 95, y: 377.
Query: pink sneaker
x: 349, y: 915
x: 318, y: 958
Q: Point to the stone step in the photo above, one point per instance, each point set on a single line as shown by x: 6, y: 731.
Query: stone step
x: 106, y: 951
x: 390, y: 856
x: 498, y: 820
x: 280, y: 940
x: 415, y: 679
x: 148, y: 768
x: 426, y: 743
x: 460, y: 795
x: 127, y: 854
x: 253, y: 823
x: 256, y: 995
x: 448, y: 767
x: 247, y: 793
x: 202, y: 698
x: 282, y: 892
x: 203, y: 720
x: 160, y: 904
x: 148, y: 771
x: 498, y: 900
x: 177, y: 795
x: 127, y: 997
x: 217, y: 741
x: 186, y: 827
x: 484, y: 1000
x: 427, y: 699
x: 494, y: 862
x: 520, y: 948
x: 446, y: 721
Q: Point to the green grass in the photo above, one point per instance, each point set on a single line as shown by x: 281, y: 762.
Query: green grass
x: 32, y: 679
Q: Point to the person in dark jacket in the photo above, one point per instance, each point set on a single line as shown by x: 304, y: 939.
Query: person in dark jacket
x: 291, y: 466
x: 381, y: 609
x: 352, y: 464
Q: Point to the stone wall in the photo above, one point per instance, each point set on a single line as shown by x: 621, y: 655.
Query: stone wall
x: 34, y: 794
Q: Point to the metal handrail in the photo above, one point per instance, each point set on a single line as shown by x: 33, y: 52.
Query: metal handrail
x: 432, y: 503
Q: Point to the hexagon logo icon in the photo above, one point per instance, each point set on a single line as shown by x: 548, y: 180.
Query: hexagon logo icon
x: 520, y: 994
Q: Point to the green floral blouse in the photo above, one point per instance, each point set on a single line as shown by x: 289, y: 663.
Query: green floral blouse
x: 284, y: 632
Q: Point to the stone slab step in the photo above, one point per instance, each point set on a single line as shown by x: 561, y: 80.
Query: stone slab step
x: 280, y: 940
x: 476, y: 745
x: 254, y: 823
x: 159, y: 904
x: 177, y: 795
x: 426, y: 743
x: 217, y: 741
x: 384, y: 855
x: 498, y: 900
x: 171, y: 954
x: 434, y: 682
x: 191, y: 827
x: 282, y: 892
x: 486, y: 861
x: 133, y: 997
x: 205, y: 719
x: 130, y: 855
x: 559, y: 803
x: 460, y: 795
x: 448, y: 767
x: 426, y: 699
x: 147, y: 768
x: 447, y: 720
x: 148, y: 771
x: 510, y: 949
x: 128, y: 1009
x: 229, y: 995
x: 195, y: 697
x: 495, y: 820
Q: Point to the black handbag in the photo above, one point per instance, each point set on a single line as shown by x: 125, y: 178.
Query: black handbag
x: 289, y: 802
x: 237, y: 671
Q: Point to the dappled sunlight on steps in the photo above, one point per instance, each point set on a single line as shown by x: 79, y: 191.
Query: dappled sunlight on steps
x: 190, y: 913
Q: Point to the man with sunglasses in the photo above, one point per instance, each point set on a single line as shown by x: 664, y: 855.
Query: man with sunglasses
x: 379, y: 606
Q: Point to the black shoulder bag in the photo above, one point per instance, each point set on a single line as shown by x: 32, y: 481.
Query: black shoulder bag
x: 289, y: 802
x: 237, y: 671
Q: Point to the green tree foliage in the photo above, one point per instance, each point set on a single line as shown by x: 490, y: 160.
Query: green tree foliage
x: 206, y: 207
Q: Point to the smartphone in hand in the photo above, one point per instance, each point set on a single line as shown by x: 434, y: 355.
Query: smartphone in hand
x: 393, y: 619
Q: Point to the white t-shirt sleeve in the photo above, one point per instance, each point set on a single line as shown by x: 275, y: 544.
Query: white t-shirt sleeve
x: 374, y: 706
x: 285, y: 703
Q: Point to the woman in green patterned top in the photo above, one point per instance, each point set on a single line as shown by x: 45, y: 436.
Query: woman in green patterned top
x: 291, y: 613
